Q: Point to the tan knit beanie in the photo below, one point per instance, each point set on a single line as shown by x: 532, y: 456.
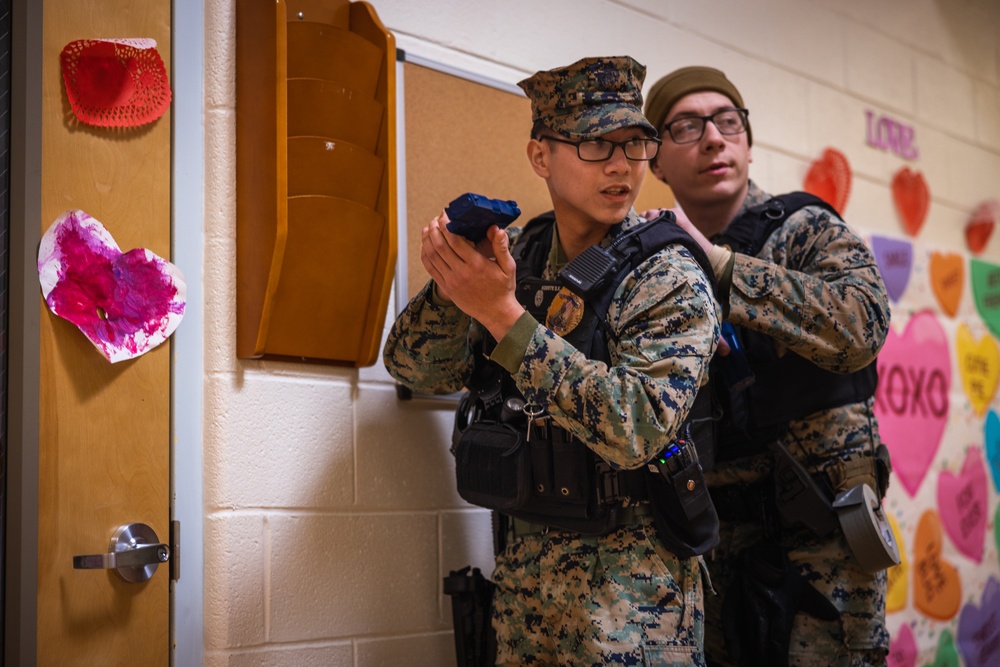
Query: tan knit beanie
x: 672, y: 87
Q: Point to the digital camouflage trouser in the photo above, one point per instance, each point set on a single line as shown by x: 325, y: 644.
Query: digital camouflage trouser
x: 620, y: 599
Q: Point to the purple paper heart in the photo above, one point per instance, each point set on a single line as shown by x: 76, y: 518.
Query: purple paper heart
x: 979, y: 629
x: 895, y: 261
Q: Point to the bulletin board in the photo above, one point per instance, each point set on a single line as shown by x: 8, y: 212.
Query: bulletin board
x: 468, y: 136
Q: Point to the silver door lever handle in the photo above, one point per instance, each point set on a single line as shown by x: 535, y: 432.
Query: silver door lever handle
x: 133, y: 554
x: 141, y: 554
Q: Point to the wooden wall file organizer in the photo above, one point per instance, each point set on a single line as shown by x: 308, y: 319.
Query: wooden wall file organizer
x: 315, y: 179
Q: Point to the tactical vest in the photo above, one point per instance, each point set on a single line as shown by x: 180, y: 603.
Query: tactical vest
x: 571, y: 487
x: 787, y: 387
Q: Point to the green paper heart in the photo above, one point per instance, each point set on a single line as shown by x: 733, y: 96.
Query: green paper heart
x: 947, y: 653
x: 996, y: 530
x: 986, y: 290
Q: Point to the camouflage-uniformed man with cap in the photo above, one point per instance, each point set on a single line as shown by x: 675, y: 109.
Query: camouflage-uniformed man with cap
x: 811, y: 294
x: 562, y: 597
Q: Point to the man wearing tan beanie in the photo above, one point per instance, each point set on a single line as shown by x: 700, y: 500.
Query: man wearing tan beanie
x: 806, y: 313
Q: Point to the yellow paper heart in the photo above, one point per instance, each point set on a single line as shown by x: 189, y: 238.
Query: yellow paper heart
x: 979, y: 365
x: 895, y: 598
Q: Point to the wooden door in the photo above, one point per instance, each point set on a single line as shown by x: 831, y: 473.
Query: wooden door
x: 103, y: 428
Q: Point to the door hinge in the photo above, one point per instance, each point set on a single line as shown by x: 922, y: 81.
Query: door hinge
x: 175, y: 550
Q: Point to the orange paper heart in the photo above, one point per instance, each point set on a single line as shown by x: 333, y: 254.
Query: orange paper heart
x: 912, y: 198
x: 980, y: 226
x: 829, y: 178
x: 947, y: 279
x: 937, y: 589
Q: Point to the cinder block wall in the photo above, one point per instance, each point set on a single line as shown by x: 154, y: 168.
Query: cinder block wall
x: 331, y: 513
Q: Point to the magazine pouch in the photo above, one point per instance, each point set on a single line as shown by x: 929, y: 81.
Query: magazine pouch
x: 493, y: 466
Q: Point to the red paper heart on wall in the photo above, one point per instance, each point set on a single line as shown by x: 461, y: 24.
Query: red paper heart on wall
x: 829, y: 177
x: 980, y: 226
x: 912, y: 198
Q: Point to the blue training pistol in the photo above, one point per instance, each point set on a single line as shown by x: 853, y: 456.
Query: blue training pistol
x: 471, y: 215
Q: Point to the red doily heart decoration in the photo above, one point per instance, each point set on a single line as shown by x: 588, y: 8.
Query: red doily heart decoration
x: 115, y: 82
x: 912, y: 198
x: 980, y: 226
x: 829, y: 177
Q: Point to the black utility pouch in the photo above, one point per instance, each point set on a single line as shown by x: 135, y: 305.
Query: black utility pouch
x: 572, y: 502
x: 572, y: 476
x: 493, y: 466
x: 683, y: 512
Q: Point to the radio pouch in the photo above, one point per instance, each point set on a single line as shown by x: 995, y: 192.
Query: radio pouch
x: 683, y: 511
x: 493, y: 466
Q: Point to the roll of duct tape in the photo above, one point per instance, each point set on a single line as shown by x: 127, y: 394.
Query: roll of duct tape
x: 866, y: 528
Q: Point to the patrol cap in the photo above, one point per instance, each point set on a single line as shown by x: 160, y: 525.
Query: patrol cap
x: 666, y: 92
x: 591, y: 97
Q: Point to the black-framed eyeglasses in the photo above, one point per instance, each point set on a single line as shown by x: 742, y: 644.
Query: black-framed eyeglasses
x: 598, y: 150
x: 689, y: 129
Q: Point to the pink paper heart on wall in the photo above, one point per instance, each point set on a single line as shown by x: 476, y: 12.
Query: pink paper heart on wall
x: 125, y: 303
x: 912, y: 396
x: 963, y: 506
x: 912, y: 199
x: 903, y: 648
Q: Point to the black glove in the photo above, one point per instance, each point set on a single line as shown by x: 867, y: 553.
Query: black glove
x: 760, y: 607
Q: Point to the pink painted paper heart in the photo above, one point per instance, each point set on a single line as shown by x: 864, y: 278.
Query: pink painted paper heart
x: 963, y: 506
x: 911, y: 400
x: 125, y: 303
x: 903, y: 648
